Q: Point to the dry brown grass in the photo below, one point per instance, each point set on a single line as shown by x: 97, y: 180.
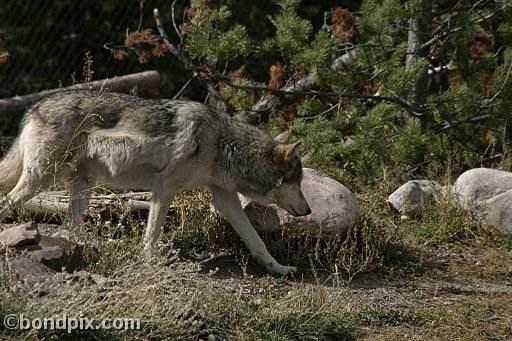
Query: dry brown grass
x: 384, y: 282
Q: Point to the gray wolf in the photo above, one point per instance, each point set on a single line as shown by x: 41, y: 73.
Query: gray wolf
x: 84, y: 136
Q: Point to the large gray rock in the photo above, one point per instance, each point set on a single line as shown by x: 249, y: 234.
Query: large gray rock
x: 410, y: 198
x: 480, y: 184
x: 487, y: 194
x: 20, y: 235
x: 334, y: 208
x: 498, y: 212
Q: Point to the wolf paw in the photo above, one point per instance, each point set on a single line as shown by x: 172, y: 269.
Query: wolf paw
x: 282, y: 269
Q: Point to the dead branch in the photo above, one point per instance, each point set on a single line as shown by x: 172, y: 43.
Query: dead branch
x: 56, y: 202
x: 266, y: 103
x: 418, y: 112
x: 147, y: 80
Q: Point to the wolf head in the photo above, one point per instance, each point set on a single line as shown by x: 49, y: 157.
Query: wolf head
x: 288, y: 195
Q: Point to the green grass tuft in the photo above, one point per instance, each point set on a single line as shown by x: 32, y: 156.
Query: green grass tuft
x: 309, y: 326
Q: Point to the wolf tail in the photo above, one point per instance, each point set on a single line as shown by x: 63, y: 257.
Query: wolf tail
x: 11, y: 167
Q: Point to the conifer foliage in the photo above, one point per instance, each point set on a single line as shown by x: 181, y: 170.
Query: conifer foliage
x: 394, y: 88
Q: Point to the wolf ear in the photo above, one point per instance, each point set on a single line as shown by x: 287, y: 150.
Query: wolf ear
x: 283, y: 137
x: 294, y: 149
x: 287, y: 151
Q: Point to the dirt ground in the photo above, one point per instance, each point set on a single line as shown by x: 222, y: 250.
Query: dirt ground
x: 420, y: 291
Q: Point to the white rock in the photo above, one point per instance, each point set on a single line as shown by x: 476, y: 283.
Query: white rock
x: 409, y: 198
x: 334, y: 208
x: 498, y: 212
x: 479, y: 184
x: 487, y: 194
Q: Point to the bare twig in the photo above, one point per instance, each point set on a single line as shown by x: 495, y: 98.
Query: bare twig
x: 170, y: 46
x: 471, y: 120
x: 215, y: 93
x: 331, y: 108
x: 505, y: 81
x: 458, y: 8
x: 272, y: 20
x: 141, y: 10
x: 185, y: 86
x: 173, y: 18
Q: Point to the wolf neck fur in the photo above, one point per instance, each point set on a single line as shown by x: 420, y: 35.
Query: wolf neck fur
x: 249, y: 160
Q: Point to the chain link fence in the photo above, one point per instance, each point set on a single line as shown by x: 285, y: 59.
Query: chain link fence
x: 43, y: 44
x: 47, y: 40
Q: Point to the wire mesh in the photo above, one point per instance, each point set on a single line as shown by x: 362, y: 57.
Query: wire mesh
x: 47, y: 41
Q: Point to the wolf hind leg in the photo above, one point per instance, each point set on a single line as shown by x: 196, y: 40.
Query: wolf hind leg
x: 31, y: 181
x: 160, y: 204
x: 228, y: 205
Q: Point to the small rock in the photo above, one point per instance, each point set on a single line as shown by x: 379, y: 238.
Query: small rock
x: 404, y: 218
x: 86, y: 278
x: 334, y: 208
x: 29, y: 270
x: 56, y: 252
x: 410, y: 198
x: 79, y: 279
x: 20, y: 235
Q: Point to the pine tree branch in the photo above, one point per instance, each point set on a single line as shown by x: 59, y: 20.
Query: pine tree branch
x: 301, y: 87
x: 266, y: 103
x: 478, y: 117
x: 459, y: 8
x: 442, y: 34
x: 297, y: 93
x: 187, y: 63
x: 471, y: 120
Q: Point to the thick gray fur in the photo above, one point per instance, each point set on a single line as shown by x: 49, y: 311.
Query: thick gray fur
x: 85, y: 137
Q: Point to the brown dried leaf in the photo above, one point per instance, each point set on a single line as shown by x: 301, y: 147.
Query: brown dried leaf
x: 143, y: 36
x: 159, y: 50
x: 120, y: 54
x: 143, y: 56
x: 276, y: 76
x: 481, y: 43
x: 343, y: 25
x: 191, y: 11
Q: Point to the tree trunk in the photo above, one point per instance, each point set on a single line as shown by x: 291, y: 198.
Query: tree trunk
x: 420, y: 28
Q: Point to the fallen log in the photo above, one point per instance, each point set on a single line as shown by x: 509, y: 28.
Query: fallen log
x: 56, y: 202
x: 146, y: 80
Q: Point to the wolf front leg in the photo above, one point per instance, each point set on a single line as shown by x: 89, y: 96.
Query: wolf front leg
x: 79, y: 195
x: 160, y: 204
x: 228, y: 205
